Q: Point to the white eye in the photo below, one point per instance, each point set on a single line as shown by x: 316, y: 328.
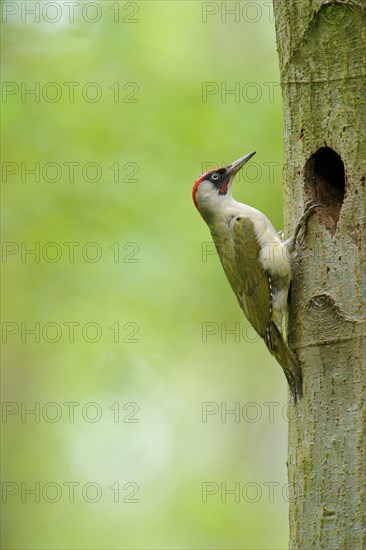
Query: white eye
x: 215, y: 176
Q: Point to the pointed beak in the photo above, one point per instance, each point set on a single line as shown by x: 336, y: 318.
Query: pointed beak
x: 235, y: 166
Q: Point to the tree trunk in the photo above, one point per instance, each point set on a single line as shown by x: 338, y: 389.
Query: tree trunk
x: 322, y: 52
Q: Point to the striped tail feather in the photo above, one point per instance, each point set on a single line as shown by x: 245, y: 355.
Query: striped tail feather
x: 290, y: 366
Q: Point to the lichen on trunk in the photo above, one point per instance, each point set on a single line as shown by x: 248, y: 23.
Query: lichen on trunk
x: 322, y: 53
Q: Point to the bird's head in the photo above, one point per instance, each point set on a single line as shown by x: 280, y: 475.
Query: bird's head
x: 212, y: 188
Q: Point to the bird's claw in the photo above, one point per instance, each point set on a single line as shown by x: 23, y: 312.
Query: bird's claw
x: 310, y: 207
x: 301, y: 226
x: 281, y: 235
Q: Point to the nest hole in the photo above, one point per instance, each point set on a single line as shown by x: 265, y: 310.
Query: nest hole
x: 325, y: 185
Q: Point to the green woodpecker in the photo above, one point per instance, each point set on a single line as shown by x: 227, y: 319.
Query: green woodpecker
x: 255, y: 259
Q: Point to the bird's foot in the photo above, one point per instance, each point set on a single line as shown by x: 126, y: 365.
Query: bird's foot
x: 281, y: 235
x: 300, y: 231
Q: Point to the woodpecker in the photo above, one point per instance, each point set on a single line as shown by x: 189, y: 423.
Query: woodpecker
x: 256, y: 260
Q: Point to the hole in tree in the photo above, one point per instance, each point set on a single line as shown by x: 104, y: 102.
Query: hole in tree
x: 325, y: 185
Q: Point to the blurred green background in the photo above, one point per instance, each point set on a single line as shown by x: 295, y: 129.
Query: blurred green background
x: 137, y: 390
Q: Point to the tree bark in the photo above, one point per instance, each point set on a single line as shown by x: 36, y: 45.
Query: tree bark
x: 322, y: 52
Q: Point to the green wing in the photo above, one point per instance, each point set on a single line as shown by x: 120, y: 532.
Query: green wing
x: 252, y: 285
